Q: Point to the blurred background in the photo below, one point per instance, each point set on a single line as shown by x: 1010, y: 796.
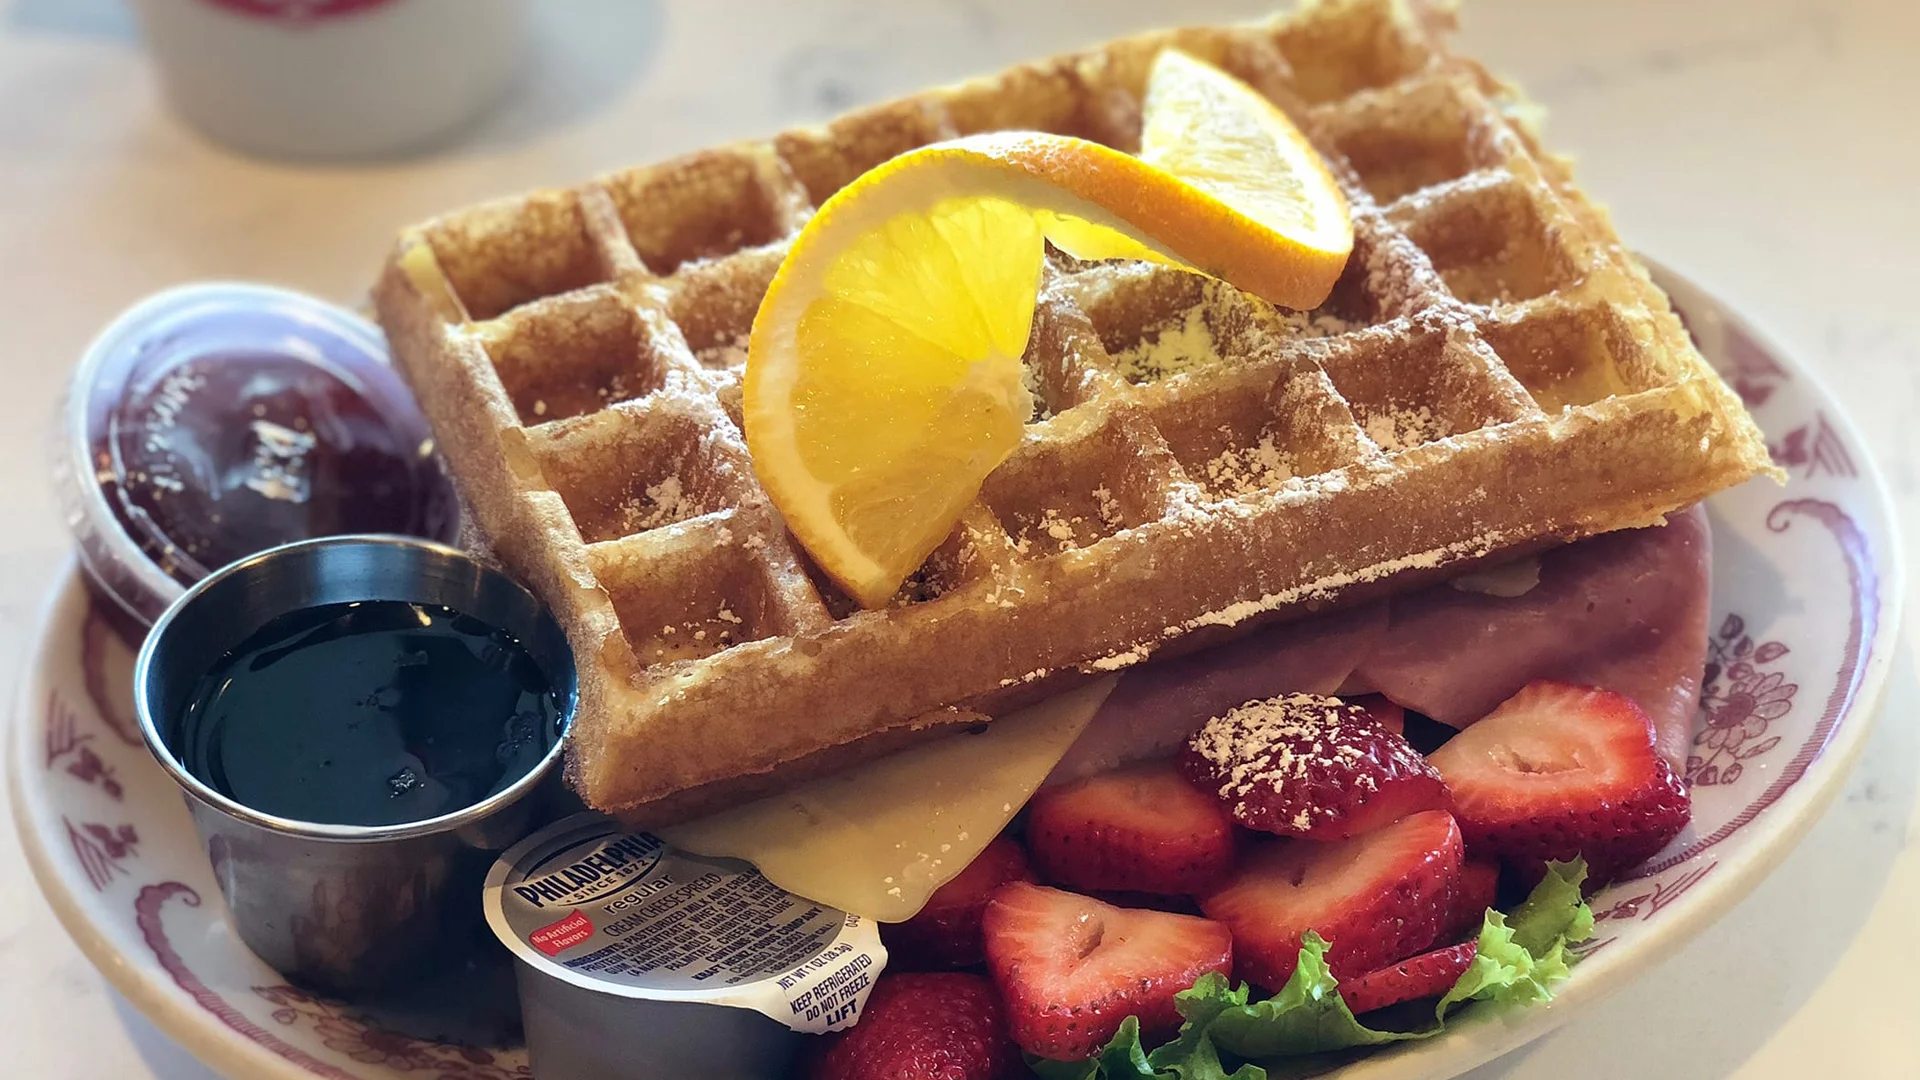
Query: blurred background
x: 1765, y: 148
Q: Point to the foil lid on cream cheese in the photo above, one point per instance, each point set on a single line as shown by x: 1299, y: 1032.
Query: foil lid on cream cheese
x: 623, y: 913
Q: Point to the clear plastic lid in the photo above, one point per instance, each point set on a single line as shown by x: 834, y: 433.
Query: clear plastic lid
x: 213, y: 421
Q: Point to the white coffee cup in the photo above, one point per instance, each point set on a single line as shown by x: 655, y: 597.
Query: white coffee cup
x: 333, y: 79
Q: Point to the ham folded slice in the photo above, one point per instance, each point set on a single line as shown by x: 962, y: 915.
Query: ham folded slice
x: 1155, y: 708
x: 1626, y: 611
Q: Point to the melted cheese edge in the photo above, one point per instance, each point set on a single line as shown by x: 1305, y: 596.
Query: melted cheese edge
x: 878, y: 839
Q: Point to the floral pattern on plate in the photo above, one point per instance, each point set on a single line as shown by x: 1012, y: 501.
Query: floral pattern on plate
x: 1806, y: 596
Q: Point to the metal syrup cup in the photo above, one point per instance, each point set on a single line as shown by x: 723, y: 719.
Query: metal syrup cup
x: 347, y: 908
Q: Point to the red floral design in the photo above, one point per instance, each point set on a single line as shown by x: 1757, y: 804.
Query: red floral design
x: 102, y: 849
x: 1815, y: 448
x: 64, y: 740
x: 1749, y: 366
x: 1646, y: 905
x: 146, y: 913
x: 1856, y: 652
x: 1586, y: 949
x: 1740, y: 700
x: 344, y: 1032
x: 1641, y: 906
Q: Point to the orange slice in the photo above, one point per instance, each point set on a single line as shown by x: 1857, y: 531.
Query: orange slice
x: 884, y: 379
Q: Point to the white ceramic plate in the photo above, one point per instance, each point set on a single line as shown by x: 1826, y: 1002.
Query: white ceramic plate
x: 1807, y: 591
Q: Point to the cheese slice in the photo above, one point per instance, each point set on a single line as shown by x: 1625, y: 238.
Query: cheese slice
x: 878, y: 839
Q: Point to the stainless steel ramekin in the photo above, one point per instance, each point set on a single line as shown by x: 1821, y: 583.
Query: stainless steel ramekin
x: 346, y: 908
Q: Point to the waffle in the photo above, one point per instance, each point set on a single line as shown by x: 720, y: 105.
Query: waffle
x: 1493, y: 373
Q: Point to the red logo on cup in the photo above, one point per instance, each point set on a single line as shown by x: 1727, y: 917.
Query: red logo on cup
x: 298, y: 10
x: 563, y: 935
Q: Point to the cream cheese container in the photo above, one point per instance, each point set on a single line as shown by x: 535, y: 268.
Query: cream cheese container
x: 636, y: 960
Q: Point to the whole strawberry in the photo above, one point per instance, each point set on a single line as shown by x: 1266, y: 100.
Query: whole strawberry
x: 1310, y: 766
x: 922, y: 1026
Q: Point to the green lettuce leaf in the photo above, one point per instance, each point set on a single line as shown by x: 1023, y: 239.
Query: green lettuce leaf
x: 1554, y: 910
x: 1122, y: 1059
x: 1521, y: 963
x: 1307, y: 1016
x: 1225, y: 1035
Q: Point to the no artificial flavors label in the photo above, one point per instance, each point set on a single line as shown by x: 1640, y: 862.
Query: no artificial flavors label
x: 625, y: 914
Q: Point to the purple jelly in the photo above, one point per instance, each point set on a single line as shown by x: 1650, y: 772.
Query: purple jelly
x: 212, y: 422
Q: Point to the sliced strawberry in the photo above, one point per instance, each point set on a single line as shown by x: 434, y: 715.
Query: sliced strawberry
x: 1479, y: 889
x: 922, y: 1026
x: 1310, y: 766
x: 946, y: 932
x: 1375, y: 898
x: 1390, y: 716
x: 1071, y: 968
x: 1558, y: 771
x: 1140, y: 829
x: 1427, y: 975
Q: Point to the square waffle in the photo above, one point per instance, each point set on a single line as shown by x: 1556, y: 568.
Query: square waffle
x: 1493, y: 373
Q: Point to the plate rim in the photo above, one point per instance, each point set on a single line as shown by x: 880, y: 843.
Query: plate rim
x: 1479, y: 1038
x: 1474, y: 1040
x: 217, y: 1046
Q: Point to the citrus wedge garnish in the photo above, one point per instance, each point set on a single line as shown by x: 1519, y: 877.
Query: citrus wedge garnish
x: 1218, y: 134
x: 884, y: 377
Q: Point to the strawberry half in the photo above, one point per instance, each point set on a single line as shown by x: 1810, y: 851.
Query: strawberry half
x: 1071, y: 968
x: 1427, y: 975
x: 1374, y: 898
x: 946, y: 932
x: 1140, y: 829
x: 1310, y: 766
x: 922, y: 1026
x: 1559, y: 771
x: 1479, y: 890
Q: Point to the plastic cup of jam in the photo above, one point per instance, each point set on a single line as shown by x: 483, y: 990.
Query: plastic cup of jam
x: 213, y: 421
x: 359, y: 725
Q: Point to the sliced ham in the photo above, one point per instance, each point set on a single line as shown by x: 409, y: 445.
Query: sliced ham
x: 1626, y: 611
x: 1156, y: 707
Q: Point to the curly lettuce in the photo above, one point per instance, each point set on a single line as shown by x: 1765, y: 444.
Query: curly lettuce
x: 1307, y: 1027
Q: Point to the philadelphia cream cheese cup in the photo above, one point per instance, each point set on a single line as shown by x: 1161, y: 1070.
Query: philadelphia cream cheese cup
x: 636, y: 960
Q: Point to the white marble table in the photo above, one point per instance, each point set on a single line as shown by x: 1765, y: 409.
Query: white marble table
x: 1764, y: 147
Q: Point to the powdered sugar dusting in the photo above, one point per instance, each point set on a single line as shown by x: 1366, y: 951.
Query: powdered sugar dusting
x: 1176, y: 345
x: 1248, y: 469
x: 663, y: 503
x: 1403, y: 429
x: 1058, y: 526
x: 727, y: 353
x: 1116, y: 661
x: 1265, y: 746
x: 1432, y: 558
x: 1189, y: 340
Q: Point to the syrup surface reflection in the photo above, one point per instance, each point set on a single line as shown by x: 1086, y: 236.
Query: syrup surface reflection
x: 371, y: 713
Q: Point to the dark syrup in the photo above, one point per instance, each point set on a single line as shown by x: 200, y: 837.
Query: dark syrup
x: 371, y: 713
